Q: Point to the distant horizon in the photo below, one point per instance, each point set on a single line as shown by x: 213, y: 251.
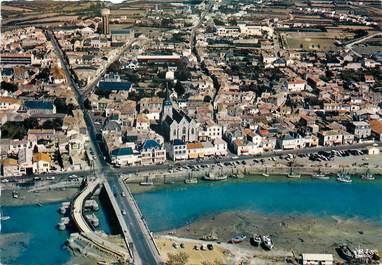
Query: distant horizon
x: 113, y: 1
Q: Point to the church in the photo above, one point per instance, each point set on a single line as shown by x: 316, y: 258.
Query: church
x: 176, y: 124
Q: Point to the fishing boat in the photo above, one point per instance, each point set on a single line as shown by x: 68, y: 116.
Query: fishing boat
x: 256, y: 240
x: 345, y: 252
x: 343, y: 177
x: 267, y: 242
x: 211, y: 177
x: 368, y: 176
x: 238, y: 239
x: 265, y: 173
x: 191, y: 180
x: 292, y: 174
x: 5, y: 218
x: 210, y: 237
x: 320, y: 175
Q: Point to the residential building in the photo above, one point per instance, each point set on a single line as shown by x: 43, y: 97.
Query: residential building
x: 9, y: 104
x: 152, y: 152
x: 177, y: 150
x: 296, y: 85
x: 360, y: 129
x: 331, y: 137
x: 376, y: 129
x: 10, y: 168
x: 41, y: 163
x: 124, y: 156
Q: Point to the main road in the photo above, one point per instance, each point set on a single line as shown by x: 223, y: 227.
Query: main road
x: 147, y: 254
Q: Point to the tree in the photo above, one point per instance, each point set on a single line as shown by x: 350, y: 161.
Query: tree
x: 177, y: 259
x: 52, y: 124
x: 179, y: 89
x: 207, y: 99
x: 30, y: 123
x: 87, y: 104
x: 8, y: 86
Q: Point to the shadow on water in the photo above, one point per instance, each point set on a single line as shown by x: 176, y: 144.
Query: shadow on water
x: 109, y: 214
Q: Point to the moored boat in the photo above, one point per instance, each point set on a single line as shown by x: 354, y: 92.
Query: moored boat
x: 320, y: 175
x: 265, y: 173
x: 5, y: 218
x: 238, y: 239
x: 368, y: 176
x: 191, y: 181
x: 256, y: 240
x: 292, y: 174
x: 345, y: 252
x: 210, y: 237
x: 267, y: 242
x: 212, y: 177
x: 343, y: 177
x: 147, y: 182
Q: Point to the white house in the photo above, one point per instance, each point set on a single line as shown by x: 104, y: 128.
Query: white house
x: 124, y: 156
x: 177, y: 150
x: 296, y: 85
x: 317, y: 259
x: 41, y: 163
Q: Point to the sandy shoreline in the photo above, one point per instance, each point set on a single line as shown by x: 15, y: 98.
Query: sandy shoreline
x: 45, y: 196
x: 291, y: 234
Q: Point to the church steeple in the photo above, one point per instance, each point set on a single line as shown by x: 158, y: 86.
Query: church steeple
x: 167, y: 105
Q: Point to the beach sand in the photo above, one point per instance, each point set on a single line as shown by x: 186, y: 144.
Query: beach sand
x: 12, y: 244
x: 222, y: 253
x: 300, y: 234
x: 44, y: 196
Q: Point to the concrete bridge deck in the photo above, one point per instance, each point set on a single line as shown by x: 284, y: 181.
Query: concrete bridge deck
x: 98, y: 242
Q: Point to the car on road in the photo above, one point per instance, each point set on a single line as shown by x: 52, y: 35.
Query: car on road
x: 4, y: 180
x: 123, y: 212
x: 73, y: 176
x: 37, y: 178
x: 123, y: 194
x: 51, y: 178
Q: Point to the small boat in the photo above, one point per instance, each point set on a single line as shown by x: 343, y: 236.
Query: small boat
x: 5, y: 218
x: 266, y: 242
x: 147, y: 182
x: 210, y: 237
x: 345, y: 252
x: 320, y: 175
x: 343, y: 177
x: 39, y: 204
x: 293, y: 175
x: 238, y: 239
x: 256, y: 240
x: 368, y: 176
x: 15, y: 195
x: 212, y: 177
x: 265, y: 174
x: 191, y: 181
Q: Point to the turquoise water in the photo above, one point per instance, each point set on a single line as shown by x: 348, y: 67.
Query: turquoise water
x: 46, y: 245
x: 46, y: 242
x: 173, y: 207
